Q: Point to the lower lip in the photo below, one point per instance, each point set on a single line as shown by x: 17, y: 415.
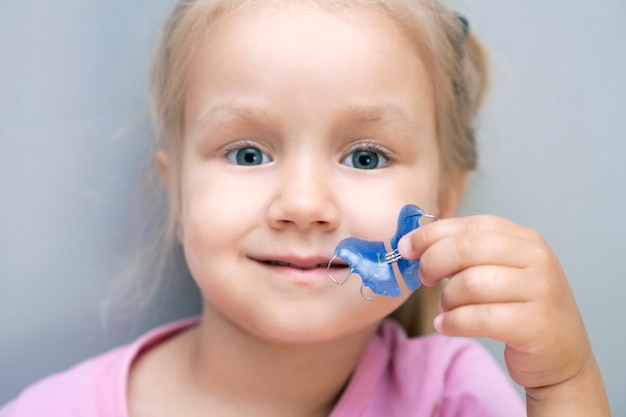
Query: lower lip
x: 304, y: 277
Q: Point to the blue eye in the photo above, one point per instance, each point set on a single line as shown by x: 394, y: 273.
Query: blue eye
x: 366, y: 159
x: 248, y: 156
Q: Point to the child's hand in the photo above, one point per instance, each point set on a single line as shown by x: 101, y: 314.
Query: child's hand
x: 505, y: 283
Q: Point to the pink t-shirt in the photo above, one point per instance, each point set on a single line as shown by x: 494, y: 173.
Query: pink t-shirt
x: 397, y: 376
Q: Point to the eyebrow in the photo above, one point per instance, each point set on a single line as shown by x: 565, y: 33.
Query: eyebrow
x: 225, y: 113
x: 359, y: 114
x: 374, y: 114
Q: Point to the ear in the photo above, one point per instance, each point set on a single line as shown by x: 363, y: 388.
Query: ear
x: 162, y: 159
x: 451, y: 193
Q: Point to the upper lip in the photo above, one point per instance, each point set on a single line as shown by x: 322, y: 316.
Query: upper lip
x: 298, y: 262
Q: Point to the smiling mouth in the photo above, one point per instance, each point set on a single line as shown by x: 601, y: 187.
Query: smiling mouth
x: 305, y: 268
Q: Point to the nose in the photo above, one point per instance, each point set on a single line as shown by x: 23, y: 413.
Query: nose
x: 304, y: 199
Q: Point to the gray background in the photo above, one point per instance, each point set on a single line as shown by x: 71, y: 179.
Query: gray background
x: 74, y: 148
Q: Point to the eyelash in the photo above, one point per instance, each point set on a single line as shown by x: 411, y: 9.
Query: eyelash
x: 370, y: 146
x: 241, y: 144
x: 231, y: 151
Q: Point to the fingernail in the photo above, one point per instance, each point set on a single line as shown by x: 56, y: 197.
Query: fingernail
x: 438, y: 323
x: 404, y: 246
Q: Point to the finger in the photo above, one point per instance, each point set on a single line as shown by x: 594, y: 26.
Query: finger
x: 413, y: 244
x: 505, y: 322
x: 485, y: 285
x: 452, y: 254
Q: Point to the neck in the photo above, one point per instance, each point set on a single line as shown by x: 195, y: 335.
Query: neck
x: 231, y: 366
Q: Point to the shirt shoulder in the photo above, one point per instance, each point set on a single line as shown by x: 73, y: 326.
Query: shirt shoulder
x: 94, y: 388
x: 89, y: 388
x: 428, y: 376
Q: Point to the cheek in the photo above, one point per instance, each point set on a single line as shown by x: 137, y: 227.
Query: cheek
x: 211, y: 196
x: 377, y: 204
x: 421, y: 186
x: 213, y: 221
x: 213, y: 209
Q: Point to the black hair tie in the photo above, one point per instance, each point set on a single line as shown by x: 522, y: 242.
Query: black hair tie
x: 465, y: 23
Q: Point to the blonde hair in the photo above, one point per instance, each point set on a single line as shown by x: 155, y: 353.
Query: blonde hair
x: 454, y: 59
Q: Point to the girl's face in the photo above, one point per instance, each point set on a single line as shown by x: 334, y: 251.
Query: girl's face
x: 301, y: 128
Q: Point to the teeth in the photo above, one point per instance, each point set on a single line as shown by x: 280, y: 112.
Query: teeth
x: 305, y: 268
x: 278, y: 263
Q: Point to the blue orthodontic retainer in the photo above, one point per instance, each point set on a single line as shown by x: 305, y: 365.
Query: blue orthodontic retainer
x: 373, y: 263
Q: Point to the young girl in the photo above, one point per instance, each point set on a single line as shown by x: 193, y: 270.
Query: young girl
x: 285, y: 127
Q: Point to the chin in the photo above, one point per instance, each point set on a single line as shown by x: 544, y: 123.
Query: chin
x: 305, y: 326
x: 300, y: 320
x: 311, y: 334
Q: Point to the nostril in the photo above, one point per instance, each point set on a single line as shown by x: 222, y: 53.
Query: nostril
x: 306, y: 210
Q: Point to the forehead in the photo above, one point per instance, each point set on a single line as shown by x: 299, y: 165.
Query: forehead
x: 310, y: 52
